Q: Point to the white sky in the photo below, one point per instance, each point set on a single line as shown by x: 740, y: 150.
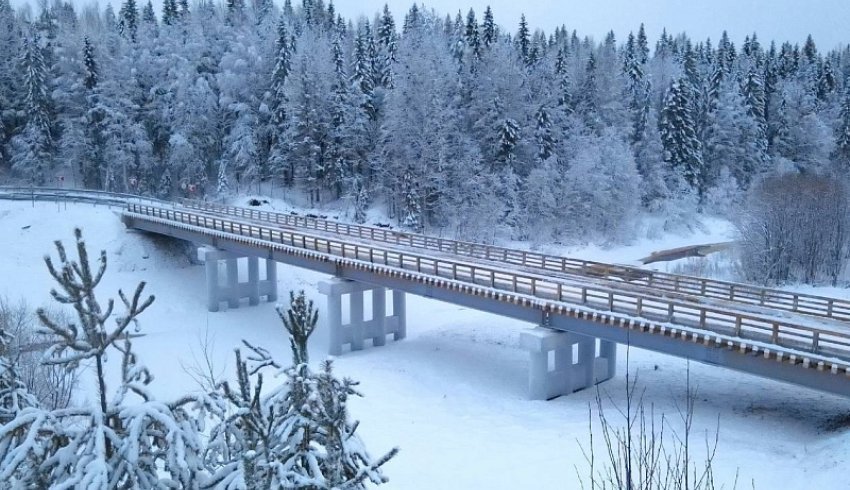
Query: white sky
x: 827, y: 20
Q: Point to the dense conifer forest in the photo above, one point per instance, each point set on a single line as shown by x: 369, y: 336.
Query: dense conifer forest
x: 464, y: 123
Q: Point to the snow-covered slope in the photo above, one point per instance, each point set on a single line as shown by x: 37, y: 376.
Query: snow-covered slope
x: 452, y: 395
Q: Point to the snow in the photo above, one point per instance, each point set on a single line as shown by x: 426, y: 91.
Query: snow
x: 451, y: 395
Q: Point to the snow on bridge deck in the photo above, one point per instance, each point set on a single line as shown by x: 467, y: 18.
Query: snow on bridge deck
x: 785, y: 336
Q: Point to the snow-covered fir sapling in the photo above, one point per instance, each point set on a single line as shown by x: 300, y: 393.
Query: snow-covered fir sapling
x: 298, y: 435
x: 125, y: 440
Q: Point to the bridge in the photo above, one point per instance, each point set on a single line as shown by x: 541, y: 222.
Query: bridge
x: 583, y: 309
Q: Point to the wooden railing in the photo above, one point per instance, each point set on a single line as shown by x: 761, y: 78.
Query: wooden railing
x: 756, y: 327
x: 728, y: 291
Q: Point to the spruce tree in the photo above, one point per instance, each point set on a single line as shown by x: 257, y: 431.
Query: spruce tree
x: 488, y: 28
x: 543, y: 135
x: 32, y: 149
x: 128, y: 22
x: 842, y: 136
x: 169, y: 12
x: 682, y: 149
x: 473, y: 41
x: 523, y: 39
x: 148, y: 15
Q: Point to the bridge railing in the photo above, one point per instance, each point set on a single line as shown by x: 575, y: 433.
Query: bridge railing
x: 679, y: 314
x: 75, y: 195
x: 724, y: 290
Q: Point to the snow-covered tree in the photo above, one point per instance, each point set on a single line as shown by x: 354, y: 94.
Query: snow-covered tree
x: 125, y: 439
x: 298, y: 435
x: 682, y: 149
x: 32, y: 149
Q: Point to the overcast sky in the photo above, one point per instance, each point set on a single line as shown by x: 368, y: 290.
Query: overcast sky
x: 827, y: 20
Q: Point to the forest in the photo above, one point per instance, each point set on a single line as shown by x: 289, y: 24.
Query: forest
x: 453, y: 124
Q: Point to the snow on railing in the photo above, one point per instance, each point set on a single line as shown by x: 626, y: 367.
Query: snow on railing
x: 807, y: 304
x: 18, y: 193
x: 803, y: 334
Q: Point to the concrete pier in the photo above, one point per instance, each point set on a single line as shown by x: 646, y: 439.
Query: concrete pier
x: 358, y: 330
x: 561, y: 362
x: 233, y: 291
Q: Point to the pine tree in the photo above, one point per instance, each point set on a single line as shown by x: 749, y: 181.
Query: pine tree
x: 682, y: 149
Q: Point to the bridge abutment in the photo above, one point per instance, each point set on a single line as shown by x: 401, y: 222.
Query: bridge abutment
x: 358, y: 329
x: 232, y: 291
x: 561, y: 362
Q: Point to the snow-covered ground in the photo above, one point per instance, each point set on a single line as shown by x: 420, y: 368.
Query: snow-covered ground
x: 452, y: 395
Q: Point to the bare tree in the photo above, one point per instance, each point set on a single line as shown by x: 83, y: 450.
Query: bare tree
x: 795, y: 228
x: 646, y: 450
x: 53, y: 386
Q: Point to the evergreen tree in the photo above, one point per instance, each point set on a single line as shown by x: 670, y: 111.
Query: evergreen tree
x: 148, y: 15
x: 543, y: 135
x: 682, y: 149
x: 169, y: 12
x: 842, y: 137
x: 116, y: 442
x: 32, y: 149
x: 473, y: 42
x: 128, y: 22
x: 296, y: 436
x: 387, y: 40
x: 488, y: 28
x: 523, y: 40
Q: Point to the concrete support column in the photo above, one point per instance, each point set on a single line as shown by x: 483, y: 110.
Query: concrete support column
x: 357, y: 330
x: 356, y: 318
x: 400, y: 314
x: 333, y: 319
x: 271, y: 279
x: 608, y: 358
x: 379, y: 315
x: 211, y: 266
x: 232, y: 282
x: 549, y: 362
x: 253, y: 281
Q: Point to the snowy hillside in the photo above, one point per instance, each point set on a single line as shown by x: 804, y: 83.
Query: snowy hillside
x: 452, y: 395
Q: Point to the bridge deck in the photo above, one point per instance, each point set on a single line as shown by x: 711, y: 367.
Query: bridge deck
x: 773, y: 299
x: 817, y: 351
